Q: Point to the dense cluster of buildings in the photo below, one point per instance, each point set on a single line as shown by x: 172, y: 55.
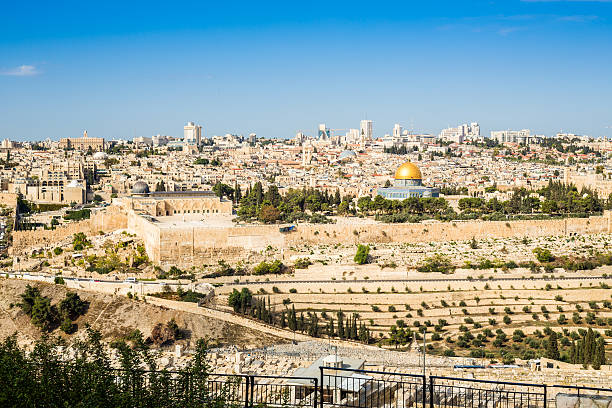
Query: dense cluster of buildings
x: 356, y: 163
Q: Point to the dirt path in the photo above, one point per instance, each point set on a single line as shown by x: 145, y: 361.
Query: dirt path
x: 248, y: 323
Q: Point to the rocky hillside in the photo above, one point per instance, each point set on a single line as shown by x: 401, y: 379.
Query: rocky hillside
x: 115, y: 317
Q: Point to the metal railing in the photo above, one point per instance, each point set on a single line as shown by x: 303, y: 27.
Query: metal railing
x: 371, y: 389
x: 465, y: 392
x: 335, y: 387
x: 577, y: 390
x: 234, y: 389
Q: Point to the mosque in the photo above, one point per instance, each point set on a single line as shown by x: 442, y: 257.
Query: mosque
x: 408, y: 183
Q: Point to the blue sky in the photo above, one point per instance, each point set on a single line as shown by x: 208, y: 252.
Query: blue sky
x: 132, y: 68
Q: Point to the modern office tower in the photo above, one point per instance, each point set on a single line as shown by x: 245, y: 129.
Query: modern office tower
x: 252, y: 138
x: 475, y: 130
x: 397, y: 131
x: 323, y: 132
x: 192, y: 134
x: 365, y: 130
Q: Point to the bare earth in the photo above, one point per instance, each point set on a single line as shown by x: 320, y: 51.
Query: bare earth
x: 116, y: 316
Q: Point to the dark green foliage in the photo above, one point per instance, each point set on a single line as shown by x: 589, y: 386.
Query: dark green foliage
x: 72, y: 306
x: 259, y: 308
x: 42, y: 379
x: 436, y: 263
x: 302, y: 263
x: 46, y: 316
x: 38, y: 308
x: 78, y: 215
x: 400, y: 336
x: 588, y: 350
x: 543, y: 255
x: 264, y: 268
x: 552, y: 348
x: 362, y: 255
x: 166, y: 334
x: 295, y: 205
x: 240, y: 301
x: 80, y: 241
x: 67, y: 326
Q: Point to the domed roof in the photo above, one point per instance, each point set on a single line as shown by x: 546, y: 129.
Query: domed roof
x: 140, y: 187
x: 408, y: 171
x: 100, y: 156
x: 347, y: 154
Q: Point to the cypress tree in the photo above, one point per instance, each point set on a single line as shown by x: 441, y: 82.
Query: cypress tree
x: 552, y: 348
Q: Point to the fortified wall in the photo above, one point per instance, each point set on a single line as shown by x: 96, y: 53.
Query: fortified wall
x: 445, y: 231
x: 185, y: 244
x: 8, y: 199
x: 192, y: 245
x: 111, y: 219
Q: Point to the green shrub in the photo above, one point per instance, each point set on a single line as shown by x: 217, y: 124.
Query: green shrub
x: 264, y: 268
x: 67, y: 326
x: 362, y: 255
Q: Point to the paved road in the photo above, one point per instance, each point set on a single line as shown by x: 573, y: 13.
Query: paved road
x: 20, y: 275
x: 33, y: 276
x: 567, y: 278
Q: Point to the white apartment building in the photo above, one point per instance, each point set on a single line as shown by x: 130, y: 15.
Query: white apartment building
x: 159, y: 140
x: 365, y: 130
x: 512, y: 136
x: 192, y: 134
x: 397, y: 131
x: 461, y: 133
x: 141, y: 140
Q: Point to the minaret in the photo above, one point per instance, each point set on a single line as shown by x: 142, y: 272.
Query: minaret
x: 85, y: 135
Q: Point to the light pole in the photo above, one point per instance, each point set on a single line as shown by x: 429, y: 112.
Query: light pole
x: 424, y: 343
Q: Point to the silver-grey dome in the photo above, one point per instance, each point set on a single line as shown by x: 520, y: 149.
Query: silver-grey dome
x: 347, y: 154
x: 140, y: 187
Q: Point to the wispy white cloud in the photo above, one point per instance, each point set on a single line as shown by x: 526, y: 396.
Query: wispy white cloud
x: 578, y: 18
x: 22, y: 70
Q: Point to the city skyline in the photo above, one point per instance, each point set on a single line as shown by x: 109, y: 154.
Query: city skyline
x: 275, y: 70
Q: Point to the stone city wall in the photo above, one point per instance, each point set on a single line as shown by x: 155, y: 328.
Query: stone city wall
x: 105, y: 221
x: 8, y: 199
x: 197, y: 245
x: 200, y: 245
x: 447, y: 231
x: 192, y: 245
x: 109, y: 219
x: 38, y: 238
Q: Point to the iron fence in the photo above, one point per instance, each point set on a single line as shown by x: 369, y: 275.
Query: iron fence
x: 462, y: 392
x: 576, y: 391
x: 235, y: 390
x: 371, y: 389
x: 335, y: 387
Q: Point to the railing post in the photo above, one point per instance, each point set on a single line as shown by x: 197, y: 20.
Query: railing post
x: 431, y: 392
x: 321, y: 385
x: 252, y: 390
x: 246, y: 393
x: 545, y: 396
x: 315, y: 401
x: 424, y: 391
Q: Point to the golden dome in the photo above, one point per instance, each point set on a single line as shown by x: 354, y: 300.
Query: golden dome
x: 408, y: 171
